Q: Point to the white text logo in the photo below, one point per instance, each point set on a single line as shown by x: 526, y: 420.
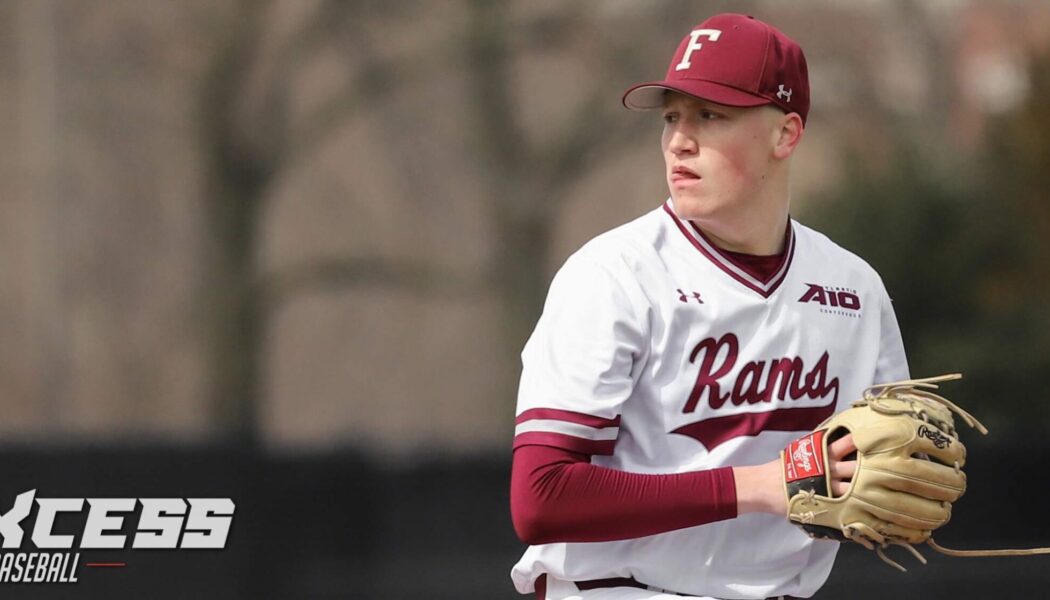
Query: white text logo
x: 695, y: 45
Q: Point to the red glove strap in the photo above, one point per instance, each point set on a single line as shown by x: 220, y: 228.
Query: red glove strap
x: 804, y: 457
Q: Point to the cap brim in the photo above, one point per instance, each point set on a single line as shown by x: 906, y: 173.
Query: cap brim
x: 648, y: 96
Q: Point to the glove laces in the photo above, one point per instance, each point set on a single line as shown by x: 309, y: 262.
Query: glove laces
x: 919, y: 390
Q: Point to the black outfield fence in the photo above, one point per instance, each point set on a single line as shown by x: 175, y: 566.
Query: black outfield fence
x: 341, y: 526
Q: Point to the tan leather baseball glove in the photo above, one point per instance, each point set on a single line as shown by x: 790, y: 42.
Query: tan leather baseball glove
x: 909, y: 469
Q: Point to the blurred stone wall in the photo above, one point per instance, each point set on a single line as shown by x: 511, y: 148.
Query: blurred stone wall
x: 103, y: 245
x: 100, y: 229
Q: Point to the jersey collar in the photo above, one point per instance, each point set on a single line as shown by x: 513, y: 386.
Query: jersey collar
x: 730, y: 265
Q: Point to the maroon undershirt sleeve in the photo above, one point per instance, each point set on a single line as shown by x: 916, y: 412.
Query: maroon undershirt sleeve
x: 557, y: 495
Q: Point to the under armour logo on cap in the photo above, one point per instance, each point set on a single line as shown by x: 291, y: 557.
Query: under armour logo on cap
x: 734, y: 60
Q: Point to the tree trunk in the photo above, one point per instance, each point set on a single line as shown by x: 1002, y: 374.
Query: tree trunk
x: 521, y: 281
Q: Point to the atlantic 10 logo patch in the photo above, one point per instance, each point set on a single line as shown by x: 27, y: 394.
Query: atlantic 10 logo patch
x: 162, y: 523
x: 833, y: 300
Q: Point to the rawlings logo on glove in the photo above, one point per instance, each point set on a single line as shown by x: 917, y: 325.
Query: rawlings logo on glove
x: 805, y: 462
x: 939, y: 439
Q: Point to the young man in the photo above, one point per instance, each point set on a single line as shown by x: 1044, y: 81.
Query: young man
x: 679, y: 353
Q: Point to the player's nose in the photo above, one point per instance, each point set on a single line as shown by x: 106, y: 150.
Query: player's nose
x: 681, y: 142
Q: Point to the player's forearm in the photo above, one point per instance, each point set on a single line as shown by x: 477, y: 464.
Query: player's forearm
x: 558, y: 496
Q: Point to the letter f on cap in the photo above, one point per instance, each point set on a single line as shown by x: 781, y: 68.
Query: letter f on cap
x: 695, y: 45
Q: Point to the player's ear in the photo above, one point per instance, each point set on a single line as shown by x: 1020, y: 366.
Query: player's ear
x: 787, y: 135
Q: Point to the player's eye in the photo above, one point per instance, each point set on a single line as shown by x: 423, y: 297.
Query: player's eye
x: 670, y: 117
x: 708, y: 115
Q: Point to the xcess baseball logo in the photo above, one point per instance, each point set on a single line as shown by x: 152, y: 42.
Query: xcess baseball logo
x: 164, y: 523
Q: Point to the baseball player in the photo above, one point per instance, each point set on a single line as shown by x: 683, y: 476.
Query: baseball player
x: 679, y: 353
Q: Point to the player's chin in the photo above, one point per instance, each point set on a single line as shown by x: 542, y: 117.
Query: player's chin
x: 691, y: 205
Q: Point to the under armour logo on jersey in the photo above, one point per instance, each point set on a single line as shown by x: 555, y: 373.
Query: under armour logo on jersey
x: 784, y: 94
x: 695, y: 46
x: 683, y: 298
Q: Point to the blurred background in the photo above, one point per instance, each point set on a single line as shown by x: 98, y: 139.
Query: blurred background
x: 288, y: 251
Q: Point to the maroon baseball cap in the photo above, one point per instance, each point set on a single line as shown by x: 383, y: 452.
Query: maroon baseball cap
x: 735, y: 60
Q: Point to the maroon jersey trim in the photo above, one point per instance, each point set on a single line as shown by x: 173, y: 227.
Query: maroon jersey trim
x: 565, y: 442
x: 716, y: 431
x: 568, y: 416
x: 731, y: 266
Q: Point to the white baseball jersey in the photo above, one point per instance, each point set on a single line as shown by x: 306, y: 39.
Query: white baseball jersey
x: 657, y: 353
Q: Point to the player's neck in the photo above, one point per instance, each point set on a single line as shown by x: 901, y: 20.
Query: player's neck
x: 756, y: 226
x: 759, y: 230
x: 762, y: 241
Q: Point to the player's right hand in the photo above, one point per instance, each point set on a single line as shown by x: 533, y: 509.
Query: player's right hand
x: 841, y: 469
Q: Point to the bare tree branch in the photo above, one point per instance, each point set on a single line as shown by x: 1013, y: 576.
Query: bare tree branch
x: 599, y: 127
x: 600, y: 136
x: 503, y: 146
x: 340, y: 273
x: 372, y: 84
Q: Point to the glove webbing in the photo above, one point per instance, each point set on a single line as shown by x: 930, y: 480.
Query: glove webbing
x: 912, y: 389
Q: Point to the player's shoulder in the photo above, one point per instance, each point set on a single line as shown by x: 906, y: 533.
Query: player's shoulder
x: 625, y: 247
x: 820, y: 249
x: 610, y: 267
